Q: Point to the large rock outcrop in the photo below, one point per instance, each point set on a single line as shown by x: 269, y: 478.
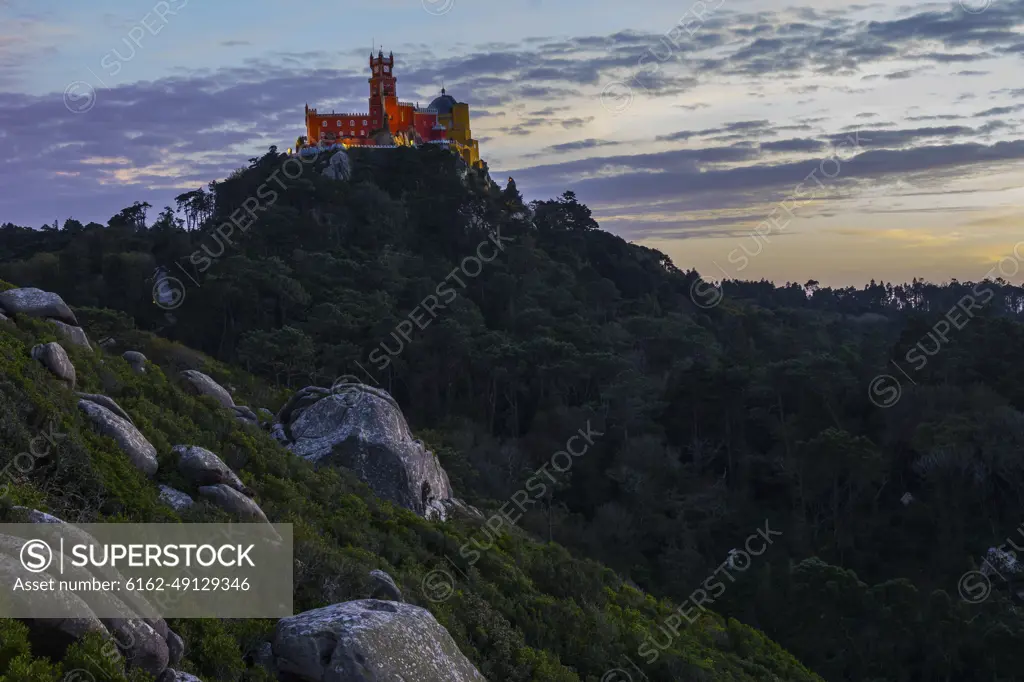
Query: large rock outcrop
x: 108, y: 403
x: 202, y: 467
x: 72, y: 334
x: 369, y: 640
x: 37, y: 303
x: 233, y: 502
x: 55, y: 358
x: 383, y: 587
x: 201, y: 384
x: 362, y: 428
x: 136, y: 359
x: 131, y: 441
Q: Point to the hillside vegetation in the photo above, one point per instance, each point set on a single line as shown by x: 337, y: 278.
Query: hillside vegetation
x: 718, y: 418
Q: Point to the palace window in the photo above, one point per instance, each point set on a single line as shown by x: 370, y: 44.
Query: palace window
x: 364, y: 121
x: 339, y: 124
x: 325, y: 124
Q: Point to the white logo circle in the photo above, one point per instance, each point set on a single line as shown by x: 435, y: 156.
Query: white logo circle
x: 616, y: 97
x: 884, y: 390
x: 438, y: 7
x: 974, y: 587
x: 79, y: 97
x: 33, y: 558
x: 438, y: 585
x: 975, y: 6
x: 704, y: 294
x: 169, y: 293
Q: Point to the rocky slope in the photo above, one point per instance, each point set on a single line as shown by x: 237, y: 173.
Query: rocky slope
x: 147, y: 433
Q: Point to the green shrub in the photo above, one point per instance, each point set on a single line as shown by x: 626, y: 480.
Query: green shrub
x: 13, y: 642
x: 101, y: 659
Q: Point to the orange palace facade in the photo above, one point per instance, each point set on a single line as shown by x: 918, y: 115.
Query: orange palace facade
x: 391, y: 122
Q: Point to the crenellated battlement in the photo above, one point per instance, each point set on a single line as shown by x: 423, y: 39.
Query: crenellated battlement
x: 312, y: 112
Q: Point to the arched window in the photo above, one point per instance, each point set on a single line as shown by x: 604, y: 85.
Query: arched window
x: 325, y: 124
x: 339, y: 123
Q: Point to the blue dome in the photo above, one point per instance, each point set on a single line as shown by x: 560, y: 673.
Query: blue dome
x: 444, y: 104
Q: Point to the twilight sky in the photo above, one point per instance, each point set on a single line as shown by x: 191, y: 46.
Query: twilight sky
x: 879, y: 140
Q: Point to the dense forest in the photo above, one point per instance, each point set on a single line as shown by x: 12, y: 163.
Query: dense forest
x: 877, y: 432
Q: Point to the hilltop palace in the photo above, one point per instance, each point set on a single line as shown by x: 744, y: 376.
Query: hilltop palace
x: 391, y: 122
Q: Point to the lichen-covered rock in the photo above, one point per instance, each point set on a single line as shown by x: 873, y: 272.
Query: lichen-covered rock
x: 246, y: 413
x: 55, y: 358
x: 37, y: 303
x: 277, y: 431
x: 175, y: 648
x: 202, y: 467
x: 362, y: 428
x: 175, y: 499
x: 383, y: 587
x: 263, y: 656
x: 299, y: 401
x: 456, y: 507
x: 107, y: 403
x: 201, y: 384
x: 145, y: 648
x: 36, y: 516
x: 136, y: 359
x: 72, y: 334
x: 233, y: 502
x: 266, y: 414
x: 339, y: 167
x: 246, y: 416
x: 131, y: 441
x: 369, y: 640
